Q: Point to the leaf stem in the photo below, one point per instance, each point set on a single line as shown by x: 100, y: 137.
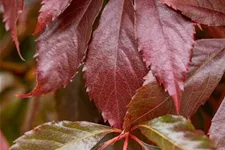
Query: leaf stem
x: 138, y: 141
x: 113, y: 140
x: 125, y: 145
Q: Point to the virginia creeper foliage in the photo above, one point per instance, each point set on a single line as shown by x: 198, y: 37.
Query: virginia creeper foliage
x: 140, y: 61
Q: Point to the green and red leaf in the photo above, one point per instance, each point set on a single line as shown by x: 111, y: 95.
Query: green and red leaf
x: 63, y: 135
x: 175, y: 133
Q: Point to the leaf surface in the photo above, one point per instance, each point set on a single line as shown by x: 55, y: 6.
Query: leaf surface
x: 217, y: 129
x: 61, y: 47
x: 62, y: 136
x: 175, y: 132
x: 12, y: 10
x: 166, y: 39
x: 50, y: 9
x: 114, y: 69
x: 209, y: 12
x: 206, y: 70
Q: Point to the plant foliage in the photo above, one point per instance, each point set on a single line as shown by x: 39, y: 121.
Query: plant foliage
x: 140, y: 61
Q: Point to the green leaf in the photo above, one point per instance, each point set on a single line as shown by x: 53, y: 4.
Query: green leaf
x: 63, y: 135
x: 172, y: 132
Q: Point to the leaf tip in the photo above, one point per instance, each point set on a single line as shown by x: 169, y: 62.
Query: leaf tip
x: 16, y: 41
x: 28, y: 95
x: 39, y: 27
x: 176, y: 99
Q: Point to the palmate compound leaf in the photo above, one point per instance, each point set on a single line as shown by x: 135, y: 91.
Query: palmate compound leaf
x: 206, y: 70
x: 50, y: 9
x: 165, y: 39
x: 114, y: 69
x: 217, y: 129
x: 12, y: 10
x: 63, y: 135
x: 209, y: 12
x: 172, y: 132
x: 61, y: 47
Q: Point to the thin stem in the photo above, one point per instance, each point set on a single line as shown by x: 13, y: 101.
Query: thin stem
x: 113, y: 141
x: 125, y: 145
x: 138, y: 141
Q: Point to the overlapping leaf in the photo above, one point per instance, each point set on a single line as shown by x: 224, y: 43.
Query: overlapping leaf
x: 63, y: 135
x: 209, y: 12
x: 114, y: 69
x: 12, y: 10
x: 49, y: 11
x: 61, y: 47
x: 166, y: 39
x: 206, y: 69
x: 217, y: 129
x: 175, y: 133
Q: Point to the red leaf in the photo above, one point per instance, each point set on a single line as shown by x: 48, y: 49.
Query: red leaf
x: 12, y: 10
x: 61, y: 47
x: 206, y: 70
x: 165, y: 39
x: 49, y: 11
x: 217, y: 129
x: 114, y: 69
x: 209, y: 12
x: 3, y: 143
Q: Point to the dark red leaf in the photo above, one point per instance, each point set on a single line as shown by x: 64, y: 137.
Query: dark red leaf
x: 209, y: 12
x: 217, y: 129
x: 61, y: 47
x: 206, y: 70
x: 49, y: 11
x: 165, y: 39
x: 114, y: 69
x: 12, y: 10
